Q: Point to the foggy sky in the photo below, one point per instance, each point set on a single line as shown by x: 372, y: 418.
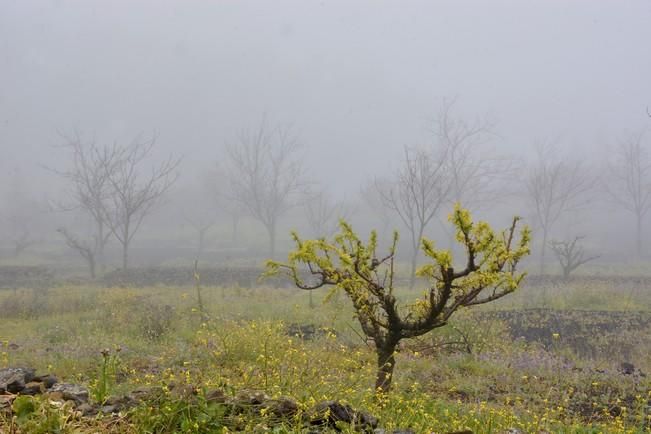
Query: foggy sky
x: 357, y: 79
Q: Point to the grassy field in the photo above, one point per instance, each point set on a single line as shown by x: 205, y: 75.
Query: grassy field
x: 546, y: 359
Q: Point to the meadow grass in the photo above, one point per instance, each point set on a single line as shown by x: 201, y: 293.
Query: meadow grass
x: 469, y: 375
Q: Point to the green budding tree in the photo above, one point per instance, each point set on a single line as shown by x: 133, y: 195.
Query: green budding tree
x: 353, y: 266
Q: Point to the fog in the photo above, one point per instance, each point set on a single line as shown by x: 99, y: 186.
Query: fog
x: 325, y: 216
x: 355, y: 82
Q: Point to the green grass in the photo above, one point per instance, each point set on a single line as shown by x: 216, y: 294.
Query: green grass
x: 439, y: 386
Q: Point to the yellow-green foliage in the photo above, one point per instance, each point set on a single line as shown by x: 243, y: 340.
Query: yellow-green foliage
x: 347, y: 263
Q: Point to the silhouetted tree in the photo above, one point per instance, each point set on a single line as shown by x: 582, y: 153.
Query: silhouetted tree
x: 89, y: 190
x: 88, y: 252
x: 629, y: 183
x: 217, y: 183
x: 22, y: 214
x: 477, y: 174
x: 265, y: 175
x: 323, y: 213
x: 416, y: 193
x: 570, y: 255
x: 132, y: 195
x: 554, y: 187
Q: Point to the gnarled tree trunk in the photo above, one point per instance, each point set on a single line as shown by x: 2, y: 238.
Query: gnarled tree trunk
x: 386, y: 361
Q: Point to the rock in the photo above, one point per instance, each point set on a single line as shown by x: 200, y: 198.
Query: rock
x: 48, y: 380
x: 146, y: 393
x: 33, y: 388
x: 120, y: 403
x: 330, y: 412
x: 13, y: 380
x: 109, y: 409
x: 70, y: 392
x: 87, y: 410
x: 252, y: 398
x: 513, y: 431
x: 627, y: 368
x: 366, y: 420
x: 283, y: 407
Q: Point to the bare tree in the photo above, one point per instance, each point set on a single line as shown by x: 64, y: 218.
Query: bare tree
x: 22, y: 238
x: 201, y: 226
x: 132, y: 196
x: 216, y: 183
x: 323, y: 214
x: 629, y: 183
x: 554, y: 187
x: 266, y: 177
x: 477, y: 174
x: 88, y: 252
x: 570, y: 254
x: 22, y: 214
x: 420, y: 187
x: 372, y: 197
x: 89, y: 190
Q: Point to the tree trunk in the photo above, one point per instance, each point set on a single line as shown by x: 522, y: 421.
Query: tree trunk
x: 386, y: 361
x: 201, y: 242
x: 543, y: 249
x: 272, y: 240
x: 566, y: 272
x: 125, y: 256
x: 101, y: 245
x: 638, y: 233
x: 92, y: 266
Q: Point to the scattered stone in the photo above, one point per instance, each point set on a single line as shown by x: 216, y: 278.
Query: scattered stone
x: 328, y: 413
x: 87, y: 410
x: 146, y: 393
x: 48, y: 380
x: 13, y: 380
x: 252, y: 398
x: 627, y: 368
x: 109, y: 409
x: 33, y: 388
x: 69, y: 392
x: 283, y: 407
x: 121, y: 403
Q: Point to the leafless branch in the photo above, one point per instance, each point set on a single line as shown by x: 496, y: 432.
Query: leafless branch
x: 266, y: 176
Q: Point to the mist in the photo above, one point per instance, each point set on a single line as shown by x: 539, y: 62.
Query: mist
x: 144, y: 144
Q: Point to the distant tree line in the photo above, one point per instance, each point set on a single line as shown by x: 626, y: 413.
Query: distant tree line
x: 262, y: 175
